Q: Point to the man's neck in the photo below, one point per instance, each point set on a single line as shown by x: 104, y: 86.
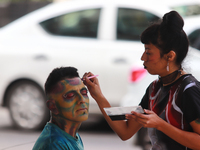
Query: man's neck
x: 67, y: 125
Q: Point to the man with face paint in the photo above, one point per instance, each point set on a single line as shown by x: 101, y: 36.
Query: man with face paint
x: 68, y: 103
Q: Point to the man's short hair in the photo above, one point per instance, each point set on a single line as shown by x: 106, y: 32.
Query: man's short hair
x: 59, y: 74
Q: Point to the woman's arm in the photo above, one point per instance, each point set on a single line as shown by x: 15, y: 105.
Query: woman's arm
x: 188, y: 139
x: 124, y: 129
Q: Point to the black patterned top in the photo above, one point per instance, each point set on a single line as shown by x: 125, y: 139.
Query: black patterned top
x: 178, y: 104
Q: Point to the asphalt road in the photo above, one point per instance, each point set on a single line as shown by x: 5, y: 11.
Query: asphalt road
x: 95, y: 137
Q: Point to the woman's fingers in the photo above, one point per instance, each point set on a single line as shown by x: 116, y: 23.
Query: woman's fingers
x: 85, y: 79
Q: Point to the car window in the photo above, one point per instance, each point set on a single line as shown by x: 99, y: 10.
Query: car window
x: 194, y: 39
x: 187, y: 10
x: 78, y: 24
x: 132, y: 22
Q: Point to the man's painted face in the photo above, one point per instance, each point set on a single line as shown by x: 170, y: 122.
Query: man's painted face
x: 71, y: 99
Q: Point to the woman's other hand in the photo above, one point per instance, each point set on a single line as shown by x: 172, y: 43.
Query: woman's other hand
x: 148, y: 120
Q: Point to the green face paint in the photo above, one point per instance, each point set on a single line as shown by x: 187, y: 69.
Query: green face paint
x: 72, y: 100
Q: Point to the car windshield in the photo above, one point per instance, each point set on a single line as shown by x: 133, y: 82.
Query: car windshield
x: 187, y: 10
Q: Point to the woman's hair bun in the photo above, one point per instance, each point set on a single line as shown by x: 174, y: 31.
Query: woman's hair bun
x: 168, y: 35
x: 172, y: 22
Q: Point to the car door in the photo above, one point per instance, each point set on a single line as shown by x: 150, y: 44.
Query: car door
x: 125, y: 51
x: 108, y: 48
x: 71, y: 39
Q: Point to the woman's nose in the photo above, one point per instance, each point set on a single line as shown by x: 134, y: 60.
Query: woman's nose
x: 143, y: 57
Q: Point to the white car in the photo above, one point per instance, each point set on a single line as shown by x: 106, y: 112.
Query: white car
x: 99, y: 36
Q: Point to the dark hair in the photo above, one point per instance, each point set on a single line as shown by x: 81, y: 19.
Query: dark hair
x: 167, y: 35
x: 59, y: 74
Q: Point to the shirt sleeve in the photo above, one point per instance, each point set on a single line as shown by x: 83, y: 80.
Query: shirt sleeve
x: 191, y: 103
x: 145, y: 100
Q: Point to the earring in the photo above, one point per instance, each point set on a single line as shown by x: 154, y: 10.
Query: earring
x: 168, y: 66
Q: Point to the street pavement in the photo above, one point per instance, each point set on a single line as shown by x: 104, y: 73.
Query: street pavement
x: 102, y: 139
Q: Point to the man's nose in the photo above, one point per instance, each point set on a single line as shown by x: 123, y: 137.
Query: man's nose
x: 82, y: 99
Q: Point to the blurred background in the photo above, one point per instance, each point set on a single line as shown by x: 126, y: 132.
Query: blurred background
x: 11, y: 10
x: 100, y: 36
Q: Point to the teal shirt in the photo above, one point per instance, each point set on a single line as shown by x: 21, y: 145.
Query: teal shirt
x: 54, y: 138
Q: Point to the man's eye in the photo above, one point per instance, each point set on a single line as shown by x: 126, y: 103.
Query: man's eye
x: 69, y: 95
x: 84, y: 92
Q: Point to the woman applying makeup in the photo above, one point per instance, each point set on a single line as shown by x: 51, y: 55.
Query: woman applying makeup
x: 172, y: 102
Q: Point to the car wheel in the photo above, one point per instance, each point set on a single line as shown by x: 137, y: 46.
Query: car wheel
x: 26, y: 101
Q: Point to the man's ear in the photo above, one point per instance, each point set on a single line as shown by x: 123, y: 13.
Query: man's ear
x: 52, y: 106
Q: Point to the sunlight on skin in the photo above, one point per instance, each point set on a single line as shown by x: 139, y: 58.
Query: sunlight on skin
x: 72, y: 104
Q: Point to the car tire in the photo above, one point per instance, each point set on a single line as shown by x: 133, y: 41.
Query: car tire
x: 27, y: 106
